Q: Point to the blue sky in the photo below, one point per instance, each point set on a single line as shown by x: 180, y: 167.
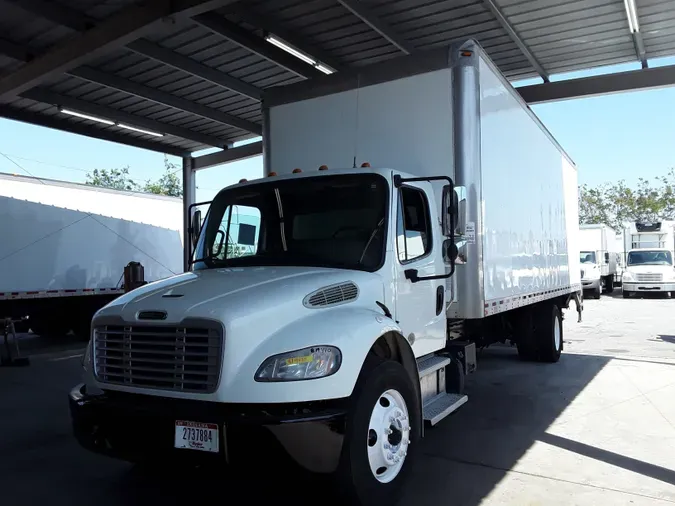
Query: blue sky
x: 613, y: 137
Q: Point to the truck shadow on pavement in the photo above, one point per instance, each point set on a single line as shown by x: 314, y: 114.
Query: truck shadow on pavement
x: 460, y: 461
x: 512, y: 403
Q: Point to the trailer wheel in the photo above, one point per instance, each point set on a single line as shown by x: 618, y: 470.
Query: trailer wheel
x: 383, y: 428
x: 549, y: 334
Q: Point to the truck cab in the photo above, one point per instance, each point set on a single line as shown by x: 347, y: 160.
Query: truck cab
x: 649, y: 270
x: 599, y: 257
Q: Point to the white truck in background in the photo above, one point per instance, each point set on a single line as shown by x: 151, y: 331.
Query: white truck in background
x: 64, y: 246
x: 392, y: 239
x: 650, y: 249
x: 600, y: 257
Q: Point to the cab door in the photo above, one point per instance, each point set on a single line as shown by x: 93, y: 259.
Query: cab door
x: 420, y: 304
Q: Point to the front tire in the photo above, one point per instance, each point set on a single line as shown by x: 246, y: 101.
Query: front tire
x: 626, y: 295
x: 383, y: 429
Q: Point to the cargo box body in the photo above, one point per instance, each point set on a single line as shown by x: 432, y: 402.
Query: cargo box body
x: 450, y: 112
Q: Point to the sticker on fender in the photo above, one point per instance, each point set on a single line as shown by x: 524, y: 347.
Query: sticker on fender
x: 196, y: 436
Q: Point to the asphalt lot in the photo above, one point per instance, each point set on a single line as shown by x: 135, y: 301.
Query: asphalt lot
x: 598, y: 428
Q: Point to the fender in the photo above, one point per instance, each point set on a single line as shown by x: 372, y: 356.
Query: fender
x: 353, y: 329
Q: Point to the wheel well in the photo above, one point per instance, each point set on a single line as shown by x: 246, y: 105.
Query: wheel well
x: 393, y: 346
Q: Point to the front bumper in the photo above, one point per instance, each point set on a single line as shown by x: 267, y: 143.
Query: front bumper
x: 590, y: 284
x: 141, y: 427
x: 636, y: 286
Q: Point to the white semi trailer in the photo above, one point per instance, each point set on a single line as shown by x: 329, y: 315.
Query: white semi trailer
x: 600, y: 256
x: 63, y: 248
x: 411, y: 211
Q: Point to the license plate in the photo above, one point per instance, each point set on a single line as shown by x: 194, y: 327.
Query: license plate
x: 196, y: 436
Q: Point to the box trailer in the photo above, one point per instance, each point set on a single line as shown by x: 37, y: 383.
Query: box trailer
x: 410, y: 212
x: 649, y: 252
x: 600, y: 255
x: 63, y: 248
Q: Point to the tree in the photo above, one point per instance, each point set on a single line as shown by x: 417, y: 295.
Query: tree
x: 169, y: 184
x: 615, y: 203
x: 117, y: 179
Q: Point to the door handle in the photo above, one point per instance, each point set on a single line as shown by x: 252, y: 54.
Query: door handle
x: 440, y: 295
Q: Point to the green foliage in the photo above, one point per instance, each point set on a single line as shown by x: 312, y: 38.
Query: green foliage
x: 118, y: 179
x: 169, y: 184
x: 615, y: 203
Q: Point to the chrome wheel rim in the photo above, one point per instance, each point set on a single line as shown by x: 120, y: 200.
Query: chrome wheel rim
x: 556, y: 332
x: 388, y: 436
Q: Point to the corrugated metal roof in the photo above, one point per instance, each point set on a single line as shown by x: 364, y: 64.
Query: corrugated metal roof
x: 199, y: 105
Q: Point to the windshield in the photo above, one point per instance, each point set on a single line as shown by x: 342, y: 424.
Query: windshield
x: 587, y: 257
x: 327, y: 221
x: 650, y: 258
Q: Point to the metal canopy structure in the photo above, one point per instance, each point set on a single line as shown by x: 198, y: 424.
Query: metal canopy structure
x: 179, y: 76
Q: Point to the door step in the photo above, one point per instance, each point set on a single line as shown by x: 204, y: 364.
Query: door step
x: 442, y: 406
x: 431, y: 364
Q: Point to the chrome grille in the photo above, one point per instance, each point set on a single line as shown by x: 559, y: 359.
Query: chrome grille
x: 331, y: 295
x: 185, y: 359
x: 649, y: 278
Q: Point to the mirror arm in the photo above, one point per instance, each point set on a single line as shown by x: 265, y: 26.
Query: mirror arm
x: 411, y: 274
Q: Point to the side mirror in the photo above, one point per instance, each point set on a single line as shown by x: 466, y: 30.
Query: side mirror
x: 449, y: 207
x: 195, y: 227
x: 450, y: 251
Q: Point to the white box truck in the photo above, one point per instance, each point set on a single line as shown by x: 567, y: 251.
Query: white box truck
x: 63, y: 248
x: 650, y: 248
x: 600, y: 256
x: 411, y: 212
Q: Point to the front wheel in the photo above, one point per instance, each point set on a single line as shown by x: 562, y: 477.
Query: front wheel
x: 625, y: 294
x: 382, y: 434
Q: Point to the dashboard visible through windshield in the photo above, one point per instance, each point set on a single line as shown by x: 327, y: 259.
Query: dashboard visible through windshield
x: 325, y: 221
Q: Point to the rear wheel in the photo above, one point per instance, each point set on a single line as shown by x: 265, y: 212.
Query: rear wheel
x: 550, y: 334
x: 382, y: 431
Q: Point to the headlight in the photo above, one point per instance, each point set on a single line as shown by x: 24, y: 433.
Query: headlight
x: 305, y: 364
x: 86, y: 358
x: 627, y: 276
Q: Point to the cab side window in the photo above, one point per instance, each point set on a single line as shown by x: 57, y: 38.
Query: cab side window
x: 413, y: 225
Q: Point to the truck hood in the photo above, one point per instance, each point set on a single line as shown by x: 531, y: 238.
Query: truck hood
x: 649, y: 269
x: 228, y: 294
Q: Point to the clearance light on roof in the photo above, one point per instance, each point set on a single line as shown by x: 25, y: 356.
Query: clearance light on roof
x: 243, y: 180
x: 631, y: 12
x: 86, y: 116
x: 297, y: 171
x: 276, y: 41
x: 365, y: 165
x: 271, y: 174
x: 323, y: 167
